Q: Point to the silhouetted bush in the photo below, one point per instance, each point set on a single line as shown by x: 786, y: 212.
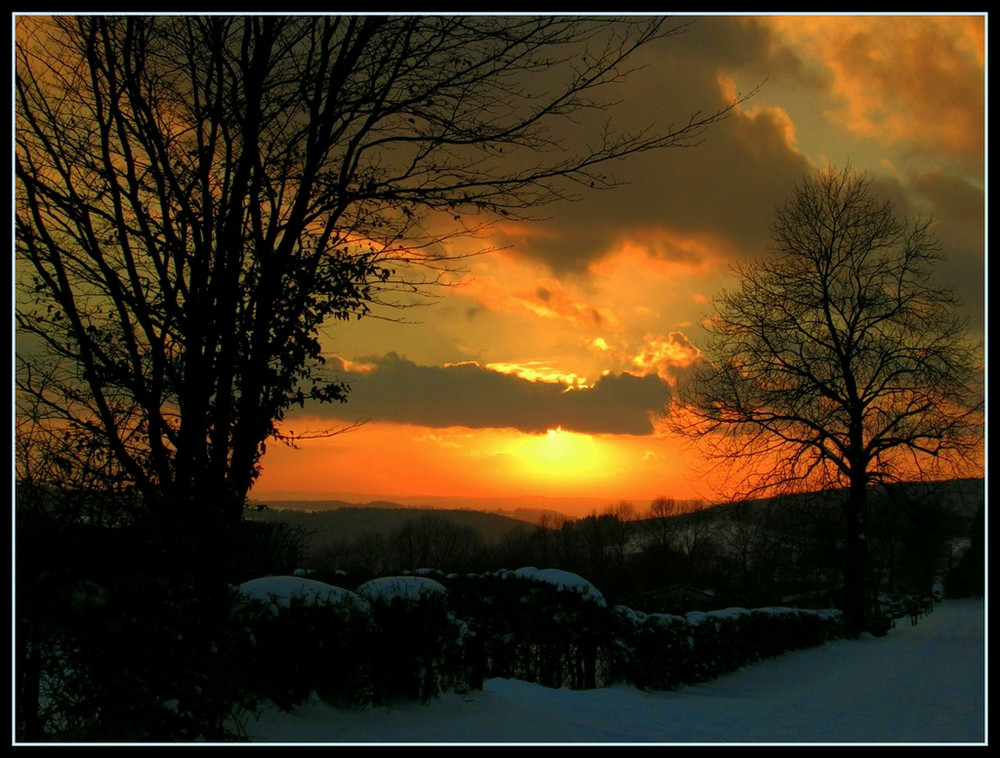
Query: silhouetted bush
x: 527, y: 627
x: 418, y: 644
x: 651, y: 651
x: 305, y: 646
x: 659, y: 651
x: 114, y: 646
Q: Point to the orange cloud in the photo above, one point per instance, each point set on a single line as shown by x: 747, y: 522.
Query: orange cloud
x: 766, y: 127
x: 357, y: 367
x: 664, y: 355
x: 913, y: 79
x: 663, y: 249
x: 505, y: 284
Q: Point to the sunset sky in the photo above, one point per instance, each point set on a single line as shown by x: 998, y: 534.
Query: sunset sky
x: 543, y: 370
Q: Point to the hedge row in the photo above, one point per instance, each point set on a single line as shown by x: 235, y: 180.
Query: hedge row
x: 662, y: 652
x: 450, y: 633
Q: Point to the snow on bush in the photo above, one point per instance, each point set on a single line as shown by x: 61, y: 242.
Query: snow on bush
x: 545, y: 626
x: 564, y: 580
x: 661, y: 651
x: 414, y: 636
x: 278, y: 592
x: 405, y: 587
x: 420, y: 642
x: 311, y: 638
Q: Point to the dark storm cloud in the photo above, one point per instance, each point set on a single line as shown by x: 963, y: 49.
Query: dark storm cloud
x: 960, y: 210
x: 397, y: 390
x: 957, y: 210
x: 726, y: 186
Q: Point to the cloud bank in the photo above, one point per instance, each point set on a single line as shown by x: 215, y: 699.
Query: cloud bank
x: 394, y: 389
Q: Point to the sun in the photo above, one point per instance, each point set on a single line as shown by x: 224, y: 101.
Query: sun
x: 563, y: 449
x: 557, y: 458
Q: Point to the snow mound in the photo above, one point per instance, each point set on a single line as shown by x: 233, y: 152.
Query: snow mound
x: 564, y: 580
x: 734, y: 613
x: 280, y: 590
x: 696, y: 618
x: 634, y: 616
x: 639, y: 618
x: 407, y: 587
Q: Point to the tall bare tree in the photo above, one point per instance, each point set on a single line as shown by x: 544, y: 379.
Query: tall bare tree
x: 196, y: 197
x: 839, y: 362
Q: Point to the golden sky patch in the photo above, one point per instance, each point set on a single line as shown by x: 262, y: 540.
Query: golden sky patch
x: 402, y: 460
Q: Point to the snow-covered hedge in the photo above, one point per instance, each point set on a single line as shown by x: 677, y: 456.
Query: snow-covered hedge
x: 546, y: 626
x: 651, y: 651
x: 419, y: 643
x: 659, y: 651
x: 280, y: 591
x: 417, y: 636
x: 309, y: 637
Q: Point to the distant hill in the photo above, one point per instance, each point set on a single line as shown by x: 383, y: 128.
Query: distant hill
x: 533, y: 509
x: 963, y: 497
x: 346, y: 523
x: 312, y: 506
x: 498, y: 506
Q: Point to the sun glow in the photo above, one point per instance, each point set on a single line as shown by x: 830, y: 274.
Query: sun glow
x: 458, y: 461
x: 564, y: 449
x: 559, y: 458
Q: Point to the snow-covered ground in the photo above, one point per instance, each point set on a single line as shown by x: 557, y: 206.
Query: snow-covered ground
x: 923, y: 684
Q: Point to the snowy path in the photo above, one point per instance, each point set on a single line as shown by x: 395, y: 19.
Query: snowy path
x: 919, y: 684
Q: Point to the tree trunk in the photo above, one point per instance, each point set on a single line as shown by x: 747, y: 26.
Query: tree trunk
x: 856, y: 557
